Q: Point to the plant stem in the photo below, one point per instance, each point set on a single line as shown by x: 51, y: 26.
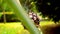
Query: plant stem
x: 20, y: 12
x: 4, y: 16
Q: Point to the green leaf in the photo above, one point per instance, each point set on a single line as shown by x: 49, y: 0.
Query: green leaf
x: 0, y: 15
x: 4, y: 5
x: 21, y: 13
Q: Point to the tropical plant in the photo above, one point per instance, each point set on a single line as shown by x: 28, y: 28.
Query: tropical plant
x: 21, y: 13
x: 5, y: 9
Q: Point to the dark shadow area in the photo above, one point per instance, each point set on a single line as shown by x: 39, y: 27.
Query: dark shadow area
x: 9, y: 18
x: 51, y: 29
